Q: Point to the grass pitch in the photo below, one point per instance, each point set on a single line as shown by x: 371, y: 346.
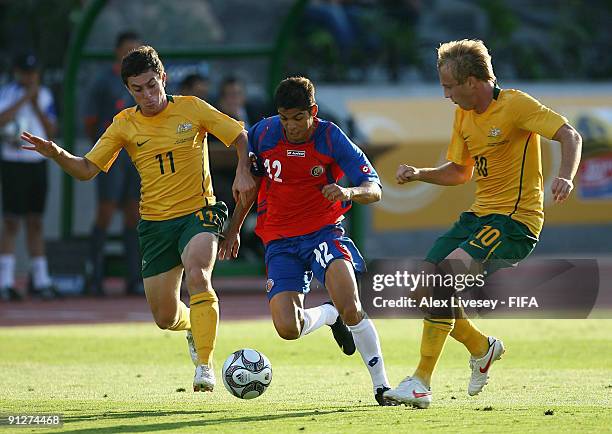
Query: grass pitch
x: 136, y: 378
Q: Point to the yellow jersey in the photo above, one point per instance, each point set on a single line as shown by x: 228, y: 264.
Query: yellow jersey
x: 170, y: 152
x: 503, y: 146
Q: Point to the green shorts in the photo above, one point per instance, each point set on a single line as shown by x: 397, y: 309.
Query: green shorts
x: 494, y: 239
x: 162, y: 242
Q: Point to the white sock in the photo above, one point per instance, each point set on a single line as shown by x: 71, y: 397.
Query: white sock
x: 317, y: 317
x: 40, y: 272
x: 7, y: 271
x: 368, y: 345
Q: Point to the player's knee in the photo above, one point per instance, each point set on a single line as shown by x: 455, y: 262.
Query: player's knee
x: 164, y: 319
x: 288, y: 333
x: 198, y: 279
x: 286, y: 329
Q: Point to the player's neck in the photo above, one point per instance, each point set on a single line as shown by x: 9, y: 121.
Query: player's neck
x: 484, y: 96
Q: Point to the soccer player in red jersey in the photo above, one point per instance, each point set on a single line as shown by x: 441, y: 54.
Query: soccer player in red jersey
x: 299, y: 160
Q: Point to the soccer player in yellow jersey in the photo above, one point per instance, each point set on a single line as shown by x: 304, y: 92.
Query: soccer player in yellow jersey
x: 496, y: 139
x: 165, y: 136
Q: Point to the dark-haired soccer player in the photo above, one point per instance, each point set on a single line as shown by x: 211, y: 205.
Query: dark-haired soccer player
x: 496, y: 134
x: 300, y: 159
x: 181, y: 221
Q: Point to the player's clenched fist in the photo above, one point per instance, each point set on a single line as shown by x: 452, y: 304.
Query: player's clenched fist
x: 40, y: 145
x: 406, y: 174
x: 334, y: 193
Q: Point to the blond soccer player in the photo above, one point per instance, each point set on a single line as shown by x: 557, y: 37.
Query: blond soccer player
x: 165, y: 137
x: 496, y: 140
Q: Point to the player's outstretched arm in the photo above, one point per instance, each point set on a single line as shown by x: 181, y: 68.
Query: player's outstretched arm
x: 447, y: 174
x: 244, y: 184
x: 230, y: 244
x: 78, y: 167
x: 367, y: 192
x: 571, y: 150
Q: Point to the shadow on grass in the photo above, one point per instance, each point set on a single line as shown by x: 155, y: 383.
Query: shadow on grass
x: 134, y: 414
x: 170, y: 426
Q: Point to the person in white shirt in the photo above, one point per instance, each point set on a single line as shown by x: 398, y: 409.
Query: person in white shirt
x: 25, y: 105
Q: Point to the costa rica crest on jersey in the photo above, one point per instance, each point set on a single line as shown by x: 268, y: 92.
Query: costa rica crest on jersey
x: 317, y: 171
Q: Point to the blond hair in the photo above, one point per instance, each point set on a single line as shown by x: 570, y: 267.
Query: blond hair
x: 465, y: 58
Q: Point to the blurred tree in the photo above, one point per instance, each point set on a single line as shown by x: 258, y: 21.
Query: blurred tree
x: 40, y: 25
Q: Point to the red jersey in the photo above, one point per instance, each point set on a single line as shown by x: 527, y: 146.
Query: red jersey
x: 290, y: 202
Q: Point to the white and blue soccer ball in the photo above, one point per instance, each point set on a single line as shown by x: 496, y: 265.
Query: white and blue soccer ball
x: 247, y: 373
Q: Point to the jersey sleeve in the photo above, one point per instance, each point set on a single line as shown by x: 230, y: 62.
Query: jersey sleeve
x: 257, y: 167
x: 108, y: 146
x: 219, y: 124
x: 458, y: 152
x: 533, y: 116
x: 352, y: 160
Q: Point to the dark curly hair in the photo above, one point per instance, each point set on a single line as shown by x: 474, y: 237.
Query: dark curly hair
x: 295, y: 92
x: 140, y: 60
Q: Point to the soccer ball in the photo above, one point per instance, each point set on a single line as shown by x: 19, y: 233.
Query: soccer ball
x: 247, y: 373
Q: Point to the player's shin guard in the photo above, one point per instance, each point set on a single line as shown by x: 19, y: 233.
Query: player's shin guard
x: 434, y: 337
x: 317, y: 317
x: 368, y: 345
x: 204, y: 315
x: 183, y: 321
x: 468, y: 334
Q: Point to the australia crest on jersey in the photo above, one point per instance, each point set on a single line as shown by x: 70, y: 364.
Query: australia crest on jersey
x: 184, y: 127
x: 495, y: 132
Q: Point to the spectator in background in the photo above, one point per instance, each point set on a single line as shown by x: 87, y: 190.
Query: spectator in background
x: 195, y: 85
x: 121, y: 185
x: 24, y: 105
x: 233, y: 101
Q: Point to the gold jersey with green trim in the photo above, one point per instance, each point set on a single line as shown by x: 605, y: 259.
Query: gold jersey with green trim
x: 170, y: 152
x: 503, y: 146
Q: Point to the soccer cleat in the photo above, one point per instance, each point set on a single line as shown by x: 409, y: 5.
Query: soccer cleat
x: 378, y: 396
x: 44, y: 293
x: 480, y: 367
x: 4, y: 294
x: 204, y: 379
x: 10, y: 294
x: 342, y: 335
x: 410, y: 392
x: 192, y: 349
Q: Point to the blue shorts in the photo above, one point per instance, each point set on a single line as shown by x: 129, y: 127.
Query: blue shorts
x: 292, y: 262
